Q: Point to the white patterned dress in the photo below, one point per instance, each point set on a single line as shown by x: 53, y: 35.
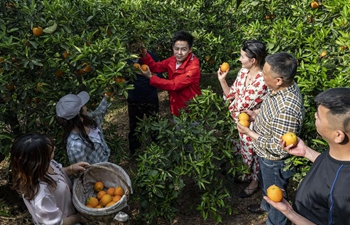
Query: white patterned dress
x: 242, y: 98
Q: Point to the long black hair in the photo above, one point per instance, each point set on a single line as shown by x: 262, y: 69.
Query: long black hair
x: 80, y: 121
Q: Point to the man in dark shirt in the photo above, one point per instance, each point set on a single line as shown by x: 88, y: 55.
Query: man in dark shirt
x: 323, y: 197
x: 142, y: 100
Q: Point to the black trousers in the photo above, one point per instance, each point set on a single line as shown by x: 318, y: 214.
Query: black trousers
x: 136, y: 112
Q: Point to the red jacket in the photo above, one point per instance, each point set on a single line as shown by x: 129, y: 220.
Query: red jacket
x: 182, y: 83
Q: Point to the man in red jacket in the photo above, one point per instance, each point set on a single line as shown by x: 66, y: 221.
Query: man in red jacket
x: 183, y: 72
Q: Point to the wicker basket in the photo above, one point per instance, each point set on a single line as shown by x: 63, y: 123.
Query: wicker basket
x: 111, y: 175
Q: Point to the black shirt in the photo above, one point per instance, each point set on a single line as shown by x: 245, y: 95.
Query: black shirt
x: 323, y: 196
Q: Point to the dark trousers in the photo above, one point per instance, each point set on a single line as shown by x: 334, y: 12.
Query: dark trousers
x: 136, y: 112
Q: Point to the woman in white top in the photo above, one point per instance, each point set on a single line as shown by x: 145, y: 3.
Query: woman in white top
x: 43, y: 183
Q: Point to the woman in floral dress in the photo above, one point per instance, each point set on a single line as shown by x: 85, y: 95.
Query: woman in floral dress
x: 247, y: 92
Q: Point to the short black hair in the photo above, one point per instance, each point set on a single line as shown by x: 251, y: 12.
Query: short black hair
x: 284, y: 65
x: 182, y: 36
x: 337, y: 101
x: 255, y: 49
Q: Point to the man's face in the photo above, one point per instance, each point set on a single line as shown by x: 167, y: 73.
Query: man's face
x: 181, y: 51
x: 270, y: 81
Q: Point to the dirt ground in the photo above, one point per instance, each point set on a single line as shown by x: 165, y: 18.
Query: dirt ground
x: 18, y: 214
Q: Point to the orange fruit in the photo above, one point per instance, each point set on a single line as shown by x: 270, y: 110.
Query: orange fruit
x: 144, y: 67
x: 100, y: 194
x: 116, y: 198
x: 90, y: 206
x: 224, y: 67
x: 244, y: 123
x: 314, y: 5
x: 136, y: 66
x: 59, y: 73
x: 275, y: 193
x: 36, y: 100
x: 10, y: 87
x: 290, y: 138
x: 118, y: 80
x: 110, y: 191
x: 98, y: 186
x: 38, y: 31
x: 87, y: 68
x: 118, y: 190
x: 92, y: 201
x: 110, y: 204
x: 106, y: 199
x: 65, y: 54
x: 267, y: 17
x: 108, y: 93
x: 323, y: 54
x: 243, y: 116
x: 98, y: 206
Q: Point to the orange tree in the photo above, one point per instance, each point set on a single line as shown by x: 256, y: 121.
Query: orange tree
x: 52, y: 48
x: 317, y: 36
x: 82, y: 47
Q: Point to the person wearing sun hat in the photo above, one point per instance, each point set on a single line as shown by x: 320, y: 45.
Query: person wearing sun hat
x: 83, y: 136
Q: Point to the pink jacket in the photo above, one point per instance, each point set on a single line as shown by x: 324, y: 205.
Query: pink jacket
x: 182, y: 83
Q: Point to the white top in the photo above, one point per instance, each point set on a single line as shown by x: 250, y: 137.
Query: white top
x: 50, y: 205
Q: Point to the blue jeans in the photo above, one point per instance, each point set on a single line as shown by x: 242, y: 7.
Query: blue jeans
x: 271, y: 172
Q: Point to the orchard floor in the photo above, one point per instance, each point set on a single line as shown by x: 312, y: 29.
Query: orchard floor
x: 18, y: 214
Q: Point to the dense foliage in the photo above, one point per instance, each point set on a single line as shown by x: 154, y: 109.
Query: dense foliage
x: 83, y: 47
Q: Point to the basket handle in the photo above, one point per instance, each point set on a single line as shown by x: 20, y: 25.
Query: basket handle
x: 112, y: 171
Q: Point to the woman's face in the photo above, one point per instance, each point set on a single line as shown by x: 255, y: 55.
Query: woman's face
x: 84, y: 110
x: 247, y: 63
x: 181, y: 51
x: 52, y: 151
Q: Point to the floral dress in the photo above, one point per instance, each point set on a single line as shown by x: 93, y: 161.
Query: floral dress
x: 242, y: 98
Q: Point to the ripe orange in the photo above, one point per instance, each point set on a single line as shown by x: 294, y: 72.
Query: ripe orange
x: 119, y: 80
x: 87, y: 68
x: 116, y: 198
x: 243, y: 116
x: 110, y: 204
x: 65, y: 54
x: 92, y: 201
x: 110, y: 191
x: 98, y: 206
x: 275, y: 193
x: 144, y: 67
x: 98, y: 186
x: 244, y: 123
x: 79, y: 72
x: 38, y: 31
x: 314, y: 5
x: 119, y: 191
x: 106, y: 199
x: 224, y: 67
x: 59, y: 73
x: 100, y: 194
x: 290, y: 138
x: 10, y: 87
x: 323, y: 54
x: 136, y: 66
